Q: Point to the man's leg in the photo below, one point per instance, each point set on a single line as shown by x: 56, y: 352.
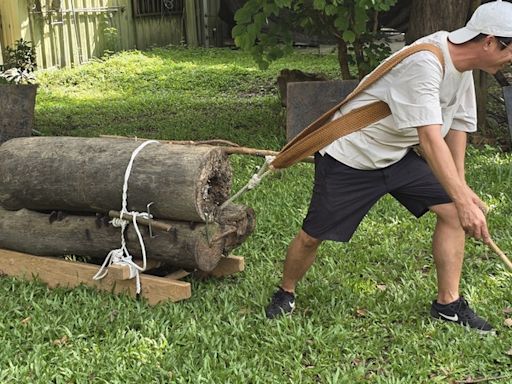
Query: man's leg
x: 448, y: 249
x: 299, y: 258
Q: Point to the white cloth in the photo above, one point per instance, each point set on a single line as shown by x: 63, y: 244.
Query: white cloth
x: 418, y: 94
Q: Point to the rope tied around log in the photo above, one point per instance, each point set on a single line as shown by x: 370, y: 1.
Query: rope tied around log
x: 122, y: 256
x: 254, y: 181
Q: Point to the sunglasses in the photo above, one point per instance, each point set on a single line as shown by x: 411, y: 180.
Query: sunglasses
x: 503, y: 43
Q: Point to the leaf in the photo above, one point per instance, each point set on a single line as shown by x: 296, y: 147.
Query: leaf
x: 319, y: 4
x: 361, y: 312
x: 382, y: 287
x: 283, y: 3
x: 243, y: 16
x: 341, y: 22
x: 26, y: 320
x: 349, y: 36
x: 507, y: 310
x: 508, y: 322
x: 509, y: 352
x: 62, y: 341
x: 330, y: 10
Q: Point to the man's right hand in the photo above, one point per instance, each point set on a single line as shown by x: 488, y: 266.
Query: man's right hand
x: 472, y: 218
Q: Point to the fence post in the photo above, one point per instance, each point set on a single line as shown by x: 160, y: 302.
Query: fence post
x: 507, y: 95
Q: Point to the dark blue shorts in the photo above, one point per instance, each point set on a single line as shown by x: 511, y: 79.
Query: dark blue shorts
x: 342, y: 195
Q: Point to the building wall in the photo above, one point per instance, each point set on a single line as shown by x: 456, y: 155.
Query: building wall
x: 71, y: 32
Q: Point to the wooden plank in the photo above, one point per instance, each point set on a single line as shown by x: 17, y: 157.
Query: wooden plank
x: 58, y: 272
x: 226, y: 266
x: 191, y: 23
x: 177, y: 275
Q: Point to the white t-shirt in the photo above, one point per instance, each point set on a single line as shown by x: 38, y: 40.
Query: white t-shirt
x: 418, y: 94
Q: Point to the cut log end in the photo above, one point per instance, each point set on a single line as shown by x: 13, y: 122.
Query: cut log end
x: 215, y: 183
x: 208, y: 255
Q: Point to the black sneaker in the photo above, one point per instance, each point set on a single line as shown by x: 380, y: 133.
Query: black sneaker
x: 283, y: 303
x: 460, y: 313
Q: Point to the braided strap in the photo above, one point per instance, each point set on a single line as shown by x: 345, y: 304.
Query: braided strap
x: 323, y: 131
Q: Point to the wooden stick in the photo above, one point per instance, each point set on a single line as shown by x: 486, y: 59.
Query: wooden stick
x: 483, y: 379
x: 501, y: 254
x: 228, y: 147
x: 141, y: 220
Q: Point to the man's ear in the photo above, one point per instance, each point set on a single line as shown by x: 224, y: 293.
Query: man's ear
x: 488, y: 42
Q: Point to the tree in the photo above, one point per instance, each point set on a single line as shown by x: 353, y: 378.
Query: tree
x: 428, y: 16
x: 264, y: 28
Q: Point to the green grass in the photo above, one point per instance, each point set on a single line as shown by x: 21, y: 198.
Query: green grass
x: 362, y: 310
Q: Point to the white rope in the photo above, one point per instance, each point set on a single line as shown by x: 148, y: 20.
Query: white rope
x: 254, y: 181
x: 121, y: 256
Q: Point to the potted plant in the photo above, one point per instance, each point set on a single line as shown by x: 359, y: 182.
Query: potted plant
x: 17, y: 91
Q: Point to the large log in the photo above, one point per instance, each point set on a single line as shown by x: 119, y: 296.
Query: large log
x: 185, y: 183
x: 186, y: 245
x: 238, y: 222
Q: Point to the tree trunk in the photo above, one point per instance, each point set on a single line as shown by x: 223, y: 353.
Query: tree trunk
x: 186, y: 245
x: 481, y: 88
x: 86, y: 175
x: 428, y: 16
x: 343, y: 59
x: 17, y: 117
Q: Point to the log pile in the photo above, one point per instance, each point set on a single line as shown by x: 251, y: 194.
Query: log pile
x: 58, y: 196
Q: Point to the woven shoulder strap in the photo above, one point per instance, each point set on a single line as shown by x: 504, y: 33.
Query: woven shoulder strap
x: 324, y: 131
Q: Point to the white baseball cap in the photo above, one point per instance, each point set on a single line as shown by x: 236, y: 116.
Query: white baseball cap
x: 493, y: 18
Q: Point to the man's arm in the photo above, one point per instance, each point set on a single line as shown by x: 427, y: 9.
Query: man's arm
x: 456, y: 141
x: 446, y: 159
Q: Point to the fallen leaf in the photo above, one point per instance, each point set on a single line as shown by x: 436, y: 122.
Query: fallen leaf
x: 356, y: 362
x: 382, y: 287
x: 509, y: 352
x: 508, y: 322
x: 244, y: 311
x: 62, y: 341
x: 26, y: 320
x: 507, y: 310
x: 361, y: 312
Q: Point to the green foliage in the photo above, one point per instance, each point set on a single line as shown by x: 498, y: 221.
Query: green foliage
x: 362, y: 310
x: 264, y: 28
x: 19, y: 63
x: 111, y: 36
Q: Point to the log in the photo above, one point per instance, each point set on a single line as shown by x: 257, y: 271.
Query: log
x: 185, y: 183
x: 240, y: 220
x: 186, y: 245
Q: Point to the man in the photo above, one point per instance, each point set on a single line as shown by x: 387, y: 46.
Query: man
x: 431, y: 106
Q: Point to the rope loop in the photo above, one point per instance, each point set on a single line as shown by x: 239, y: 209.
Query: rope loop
x: 254, y: 181
x: 121, y: 256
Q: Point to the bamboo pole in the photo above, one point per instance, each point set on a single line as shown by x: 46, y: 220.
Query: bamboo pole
x: 227, y: 146
x: 501, y: 254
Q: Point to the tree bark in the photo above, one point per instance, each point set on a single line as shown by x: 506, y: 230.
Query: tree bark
x: 185, y: 183
x: 186, y: 245
x: 343, y: 59
x: 429, y: 16
x: 241, y: 220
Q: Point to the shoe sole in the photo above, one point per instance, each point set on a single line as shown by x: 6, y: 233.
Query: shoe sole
x: 491, y: 332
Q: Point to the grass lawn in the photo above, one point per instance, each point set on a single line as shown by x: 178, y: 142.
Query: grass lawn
x: 362, y: 310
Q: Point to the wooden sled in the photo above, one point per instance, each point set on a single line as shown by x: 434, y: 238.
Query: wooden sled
x: 57, y: 272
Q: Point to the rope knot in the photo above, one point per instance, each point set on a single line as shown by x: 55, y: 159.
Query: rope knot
x: 122, y: 255
x: 254, y: 181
